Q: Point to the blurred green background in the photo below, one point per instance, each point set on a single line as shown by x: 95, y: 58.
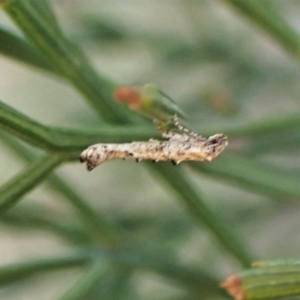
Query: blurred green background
x: 230, y: 73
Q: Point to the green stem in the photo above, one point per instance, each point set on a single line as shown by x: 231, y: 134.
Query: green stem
x: 68, y: 59
x: 23, y: 127
x: 96, y: 224
x: 75, y: 140
x: 255, y: 176
x: 271, y: 281
x: 15, y: 272
x: 195, y: 205
x: 33, y: 219
x: 16, y: 47
x: 98, y: 227
x: 65, y: 140
x: 192, y: 278
x: 13, y: 190
x: 271, y: 22
x: 269, y: 125
x: 118, y: 287
x: 82, y: 287
x: 43, y: 8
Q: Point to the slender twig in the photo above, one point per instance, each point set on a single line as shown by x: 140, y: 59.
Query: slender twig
x: 81, y: 288
x: 65, y: 140
x: 96, y: 225
x: 30, y: 218
x: 13, y: 272
x: 67, y: 59
x: 13, y: 190
x: 16, y: 47
x: 194, y: 279
x: 271, y: 22
x: 255, y: 176
x: 195, y: 205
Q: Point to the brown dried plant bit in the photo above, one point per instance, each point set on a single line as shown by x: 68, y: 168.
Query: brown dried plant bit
x: 233, y: 285
x: 179, y: 147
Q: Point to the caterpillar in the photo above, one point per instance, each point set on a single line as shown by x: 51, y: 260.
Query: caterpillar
x: 178, y: 146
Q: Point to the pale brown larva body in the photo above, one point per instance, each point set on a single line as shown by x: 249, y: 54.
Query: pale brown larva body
x: 179, y: 147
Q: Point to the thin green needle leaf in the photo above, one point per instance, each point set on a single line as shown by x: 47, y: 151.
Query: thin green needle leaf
x: 75, y: 140
x: 33, y: 219
x: 267, y: 281
x: 275, y: 124
x: 96, y: 224
x: 13, y: 190
x: 23, y: 127
x: 14, y: 272
x: 193, y: 279
x: 17, y: 48
x: 43, y: 8
x: 98, y: 228
x: 190, y: 278
x: 86, y: 282
x: 117, y: 287
x: 253, y: 175
x: 271, y: 22
x: 65, y: 140
x: 282, y: 142
x: 195, y: 205
x: 67, y: 59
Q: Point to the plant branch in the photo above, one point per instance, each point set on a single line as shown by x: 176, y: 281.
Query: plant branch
x: 13, y: 272
x: 195, y: 205
x: 65, y: 140
x: 67, y: 59
x: 255, y: 176
x: 271, y: 22
x: 33, y: 219
x: 17, y: 48
x: 96, y: 224
x: 75, y: 140
x: 82, y: 287
x: 191, y: 278
x: 13, y: 190
x: 43, y: 9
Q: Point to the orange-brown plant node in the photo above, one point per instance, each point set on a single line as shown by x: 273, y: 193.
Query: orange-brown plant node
x: 233, y: 285
x: 129, y: 95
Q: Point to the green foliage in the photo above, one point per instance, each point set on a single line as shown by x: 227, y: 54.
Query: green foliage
x: 117, y: 253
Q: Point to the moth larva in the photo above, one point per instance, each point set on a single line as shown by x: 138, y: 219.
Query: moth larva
x: 186, y: 146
